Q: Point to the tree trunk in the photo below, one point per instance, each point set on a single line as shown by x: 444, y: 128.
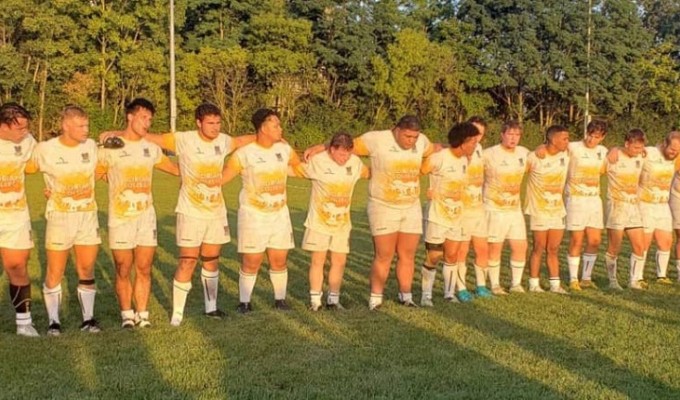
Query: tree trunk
x: 41, y: 108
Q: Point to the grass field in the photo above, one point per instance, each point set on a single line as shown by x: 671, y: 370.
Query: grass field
x: 591, y: 345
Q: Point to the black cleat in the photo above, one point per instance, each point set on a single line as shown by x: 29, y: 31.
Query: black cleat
x: 91, y: 325
x: 54, y: 329
x: 281, y: 305
x: 217, y: 314
x: 244, y: 308
x: 334, y: 307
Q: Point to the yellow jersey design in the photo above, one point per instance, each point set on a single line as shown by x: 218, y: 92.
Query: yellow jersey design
x: 264, y: 172
x: 656, y: 177
x: 448, y: 176
x: 395, y: 172
x: 332, y: 189
x: 69, y: 174
x: 129, y: 172
x: 586, y: 166
x: 472, y: 194
x: 623, y: 177
x: 547, y: 178
x: 201, y: 163
x: 503, y: 174
x: 13, y: 160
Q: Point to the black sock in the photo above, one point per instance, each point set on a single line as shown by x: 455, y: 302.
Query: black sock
x: 21, y: 298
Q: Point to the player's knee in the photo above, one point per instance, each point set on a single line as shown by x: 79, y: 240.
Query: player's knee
x: 187, y: 261
x: 553, y: 249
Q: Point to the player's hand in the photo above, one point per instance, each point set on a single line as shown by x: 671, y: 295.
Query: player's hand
x: 47, y: 192
x: 613, y: 155
x: 310, y: 152
x: 540, y: 151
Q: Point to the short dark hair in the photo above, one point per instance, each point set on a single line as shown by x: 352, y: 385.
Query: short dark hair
x: 635, y: 135
x: 342, y: 140
x: 11, y: 112
x: 206, y: 109
x: 476, y: 119
x: 596, y: 125
x: 133, y: 106
x: 410, y: 122
x: 511, y: 124
x: 553, y: 130
x: 459, y: 133
x: 72, y: 110
x: 261, y: 115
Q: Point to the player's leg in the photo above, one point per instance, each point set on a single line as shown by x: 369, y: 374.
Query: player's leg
x: 316, y: 267
x: 540, y: 244
x: 15, y: 264
x: 56, y: 265
x: 554, y: 240
x: 406, y: 246
x: 614, y: 240
x: 123, y: 260
x: 186, y: 264
x: 210, y: 256
x: 636, y: 236
x: 250, y: 266
x: 142, y: 290
x: 85, y: 258
x: 278, y: 274
x: 384, y: 249
x: 664, y: 241
x: 335, y: 277
x: 593, y: 241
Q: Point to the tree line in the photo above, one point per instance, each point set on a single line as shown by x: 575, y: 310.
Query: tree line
x: 347, y: 64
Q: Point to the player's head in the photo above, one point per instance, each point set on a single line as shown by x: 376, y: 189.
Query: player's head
x: 208, y: 120
x: 481, y: 125
x: 634, y: 142
x: 464, y: 136
x: 266, y: 122
x: 671, y: 145
x: 557, y: 136
x: 74, y: 124
x: 14, y: 121
x: 340, y: 147
x: 511, y: 133
x: 595, y: 132
x: 406, y: 131
x: 139, y: 113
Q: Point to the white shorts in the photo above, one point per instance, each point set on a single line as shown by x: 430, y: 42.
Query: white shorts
x: 192, y: 232
x: 317, y: 241
x: 258, y: 232
x: 438, y: 234
x: 623, y: 216
x: 67, y: 229
x: 138, y: 231
x: 16, y: 236
x: 656, y: 216
x: 474, y: 225
x: 384, y: 220
x: 541, y: 223
x: 504, y: 225
x: 584, y: 212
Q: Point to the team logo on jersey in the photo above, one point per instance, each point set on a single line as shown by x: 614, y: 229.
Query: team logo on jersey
x: 198, y: 150
x: 61, y: 161
x: 85, y: 157
x: 147, y: 153
x: 349, y: 170
x: 260, y: 160
x: 393, y: 149
x: 328, y: 172
x: 17, y: 150
x: 279, y: 157
x: 521, y: 162
x: 124, y: 153
x: 218, y: 151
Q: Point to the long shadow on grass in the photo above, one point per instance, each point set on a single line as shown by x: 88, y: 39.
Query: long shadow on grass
x: 582, y: 361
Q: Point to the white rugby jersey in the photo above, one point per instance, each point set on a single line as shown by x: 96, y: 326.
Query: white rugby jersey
x: 545, y: 185
x: 656, y: 177
x: 448, y: 176
x: 13, y: 160
x: 623, y: 178
x: 503, y: 173
x: 586, y: 166
x: 473, y: 201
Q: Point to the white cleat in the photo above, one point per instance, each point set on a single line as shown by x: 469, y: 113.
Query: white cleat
x: 517, y: 289
x: 27, y: 330
x: 536, y: 289
x: 426, y: 301
x: 614, y: 285
x: 558, y: 290
x: 176, y: 320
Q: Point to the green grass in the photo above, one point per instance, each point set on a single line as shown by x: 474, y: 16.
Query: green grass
x: 591, y: 345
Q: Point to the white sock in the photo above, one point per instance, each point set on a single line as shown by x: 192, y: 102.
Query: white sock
x: 662, y: 259
x: 636, y: 264
x: 428, y: 275
x: 405, y: 297
x: 333, y: 298
x: 494, y: 273
x: 246, y: 284
x: 554, y: 283
x: 127, y: 314
x: 279, y: 283
x: 462, y: 274
x: 142, y: 315
x: 210, y: 281
x: 315, y: 298
x: 52, y: 302
x: 588, y: 265
x: 610, y: 262
x: 23, y: 318
x: 640, y: 273
x: 450, y: 272
x: 480, y: 275
x: 534, y: 282
x: 86, y: 297
x: 180, y: 290
x: 517, y: 269
x: 573, y: 263
x: 375, y: 300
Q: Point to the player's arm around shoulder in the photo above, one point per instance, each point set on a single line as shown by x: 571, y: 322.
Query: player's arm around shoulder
x: 232, y: 167
x: 239, y: 141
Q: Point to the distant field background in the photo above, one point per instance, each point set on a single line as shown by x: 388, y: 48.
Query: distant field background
x: 594, y: 344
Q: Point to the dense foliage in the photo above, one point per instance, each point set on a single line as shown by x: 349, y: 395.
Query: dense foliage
x: 346, y: 64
